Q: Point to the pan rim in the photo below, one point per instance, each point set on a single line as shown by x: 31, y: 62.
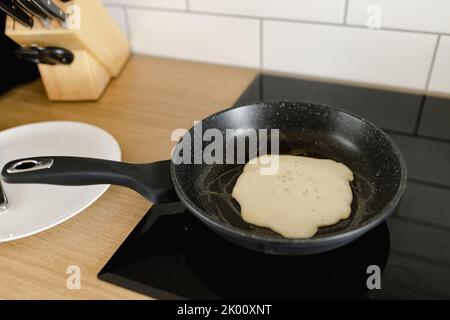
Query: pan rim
x: 361, y: 229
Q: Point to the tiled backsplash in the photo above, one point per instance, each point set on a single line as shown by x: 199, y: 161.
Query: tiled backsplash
x: 317, y: 38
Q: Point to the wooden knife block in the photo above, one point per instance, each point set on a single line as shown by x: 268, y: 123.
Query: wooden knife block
x: 99, y: 47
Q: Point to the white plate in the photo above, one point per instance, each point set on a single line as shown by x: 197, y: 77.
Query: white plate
x: 33, y: 207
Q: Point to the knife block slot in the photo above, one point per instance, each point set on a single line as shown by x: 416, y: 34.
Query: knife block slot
x: 100, y: 49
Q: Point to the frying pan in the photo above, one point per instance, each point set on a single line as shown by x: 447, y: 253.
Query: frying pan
x: 306, y: 129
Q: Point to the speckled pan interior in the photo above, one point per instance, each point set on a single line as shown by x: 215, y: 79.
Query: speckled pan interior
x: 305, y: 129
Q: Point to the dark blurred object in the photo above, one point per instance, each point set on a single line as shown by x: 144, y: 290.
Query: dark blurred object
x: 16, y: 13
x: 14, y: 70
x: 45, y: 55
x: 50, y: 9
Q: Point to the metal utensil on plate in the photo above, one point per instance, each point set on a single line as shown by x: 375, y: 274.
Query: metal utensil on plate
x: 3, y: 199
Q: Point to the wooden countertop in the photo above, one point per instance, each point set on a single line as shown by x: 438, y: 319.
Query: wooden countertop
x: 141, y: 108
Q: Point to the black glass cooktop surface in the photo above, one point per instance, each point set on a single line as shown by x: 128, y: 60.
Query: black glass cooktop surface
x: 170, y: 254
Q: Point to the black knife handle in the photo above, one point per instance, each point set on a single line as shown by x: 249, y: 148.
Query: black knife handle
x: 16, y: 13
x: 28, y: 54
x: 45, y: 55
x: 31, y: 8
x: 57, y: 55
x: 51, y: 9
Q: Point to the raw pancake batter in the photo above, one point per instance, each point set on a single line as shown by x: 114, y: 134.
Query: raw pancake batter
x: 305, y: 194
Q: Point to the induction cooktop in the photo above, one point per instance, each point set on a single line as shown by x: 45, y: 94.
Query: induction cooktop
x: 171, y: 254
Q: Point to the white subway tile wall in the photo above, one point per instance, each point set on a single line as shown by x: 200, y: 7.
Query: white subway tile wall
x: 224, y: 40
x: 440, y: 76
x: 392, y: 58
x: 418, y: 15
x: 309, y: 10
x: 323, y: 38
x: 119, y: 15
x: 163, y: 4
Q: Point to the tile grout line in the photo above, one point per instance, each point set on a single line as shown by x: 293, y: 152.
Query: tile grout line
x: 127, y: 23
x: 430, y: 71
x: 429, y: 183
x: 324, y: 23
x: 420, y: 258
x: 419, y: 114
x: 261, y: 44
x: 417, y: 136
x: 427, y: 84
x: 188, y: 6
x: 345, y: 12
x: 422, y: 222
x: 261, y: 88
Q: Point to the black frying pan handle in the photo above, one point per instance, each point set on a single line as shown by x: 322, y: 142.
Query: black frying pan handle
x: 152, y: 180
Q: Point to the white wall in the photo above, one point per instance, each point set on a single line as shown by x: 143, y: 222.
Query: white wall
x: 319, y: 38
